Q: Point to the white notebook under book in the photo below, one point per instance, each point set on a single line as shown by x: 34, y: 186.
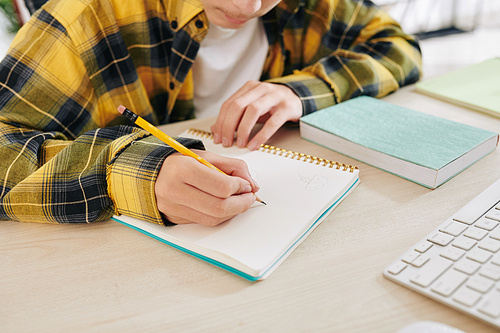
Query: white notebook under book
x: 300, y: 192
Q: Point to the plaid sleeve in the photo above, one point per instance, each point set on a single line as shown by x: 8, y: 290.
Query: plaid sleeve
x: 67, y: 156
x: 101, y: 173
x: 352, y: 48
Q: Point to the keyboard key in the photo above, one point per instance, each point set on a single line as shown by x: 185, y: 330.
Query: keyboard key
x: 467, y: 214
x: 495, y: 233
x: 397, y: 268
x: 464, y: 243
x: 486, y: 223
x: 452, y: 253
x: 410, y: 256
x: 431, y: 271
x: 453, y: 228
x: 489, y: 244
x: 423, y: 246
x: 496, y: 259
x: 490, y: 271
x: 491, y: 305
x: 466, y: 296
x: 449, y: 282
x: 494, y: 214
x: 467, y: 266
x: 475, y: 233
x: 479, y: 255
x: 480, y: 284
x: 440, y: 238
x: 420, y: 261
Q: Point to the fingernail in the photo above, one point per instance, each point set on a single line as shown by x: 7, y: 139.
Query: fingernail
x: 247, y: 189
x: 252, y: 145
x: 255, y: 184
x: 225, y: 142
x: 216, y: 138
x: 239, y: 142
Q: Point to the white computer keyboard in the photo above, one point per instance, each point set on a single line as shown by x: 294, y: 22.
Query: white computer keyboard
x: 458, y: 263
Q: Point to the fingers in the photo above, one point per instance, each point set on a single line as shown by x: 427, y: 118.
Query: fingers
x: 270, y: 127
x: 187, y: 191
x: 231, y: 112
x: 246, y: 103
x: 266, y: 104
x: 207, y: 210
x: 233, y: 167
x: 253, y: 102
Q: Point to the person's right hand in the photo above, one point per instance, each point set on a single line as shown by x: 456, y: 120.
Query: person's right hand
x: 190, y: 192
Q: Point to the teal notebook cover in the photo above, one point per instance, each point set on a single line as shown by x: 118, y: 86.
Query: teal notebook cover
x: 405, y: 134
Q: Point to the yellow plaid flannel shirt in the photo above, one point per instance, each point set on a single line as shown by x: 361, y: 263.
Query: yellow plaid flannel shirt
x: 68, y: 156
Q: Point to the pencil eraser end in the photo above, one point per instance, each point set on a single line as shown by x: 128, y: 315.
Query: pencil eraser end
x: 121, y: 109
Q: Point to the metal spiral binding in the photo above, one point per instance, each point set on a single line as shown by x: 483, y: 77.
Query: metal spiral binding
x: 287, y: 153
x: 307, y: 158
x: 202, y: 133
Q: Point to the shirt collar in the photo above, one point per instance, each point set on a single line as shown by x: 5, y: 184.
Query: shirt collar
x: 182, y: 11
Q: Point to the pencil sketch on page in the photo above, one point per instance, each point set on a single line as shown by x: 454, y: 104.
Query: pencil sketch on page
x: 314, y: 183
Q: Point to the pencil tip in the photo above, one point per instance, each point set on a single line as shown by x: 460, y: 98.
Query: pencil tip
x: 260, y: 200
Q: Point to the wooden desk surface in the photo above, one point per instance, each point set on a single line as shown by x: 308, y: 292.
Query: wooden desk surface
x: 106, y: 277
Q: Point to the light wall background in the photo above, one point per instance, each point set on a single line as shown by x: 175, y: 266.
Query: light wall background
x: 426, y: 15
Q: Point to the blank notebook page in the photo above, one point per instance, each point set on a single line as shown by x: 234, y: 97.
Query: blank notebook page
x: 297, y: 192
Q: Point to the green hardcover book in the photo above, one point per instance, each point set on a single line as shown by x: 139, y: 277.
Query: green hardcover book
x: 419, y: 147
x: 476, y: 87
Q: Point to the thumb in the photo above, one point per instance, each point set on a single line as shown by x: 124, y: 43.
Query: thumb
x: 243, y: 186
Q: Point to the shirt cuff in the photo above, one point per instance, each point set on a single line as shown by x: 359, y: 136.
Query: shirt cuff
x: 132, y: 173
x: 314, y: 93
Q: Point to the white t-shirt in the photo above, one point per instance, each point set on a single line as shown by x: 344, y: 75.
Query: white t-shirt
x: 227, y: 59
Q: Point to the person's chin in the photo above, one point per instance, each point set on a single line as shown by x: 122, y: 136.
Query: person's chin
x: 231, y: 23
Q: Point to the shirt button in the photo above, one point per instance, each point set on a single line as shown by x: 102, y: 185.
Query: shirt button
x: 199, y: 24
x: 172, y: 86
x: 173, y: 24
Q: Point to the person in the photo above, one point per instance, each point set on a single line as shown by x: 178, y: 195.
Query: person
x: 69, y: 157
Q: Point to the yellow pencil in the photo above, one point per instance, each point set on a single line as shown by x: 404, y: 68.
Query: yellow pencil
x: 168, y: 140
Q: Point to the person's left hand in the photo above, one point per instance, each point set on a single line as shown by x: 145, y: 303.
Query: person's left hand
x: 273, y: 104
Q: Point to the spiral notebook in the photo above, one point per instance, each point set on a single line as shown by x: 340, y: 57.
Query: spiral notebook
x: 300, y: 191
